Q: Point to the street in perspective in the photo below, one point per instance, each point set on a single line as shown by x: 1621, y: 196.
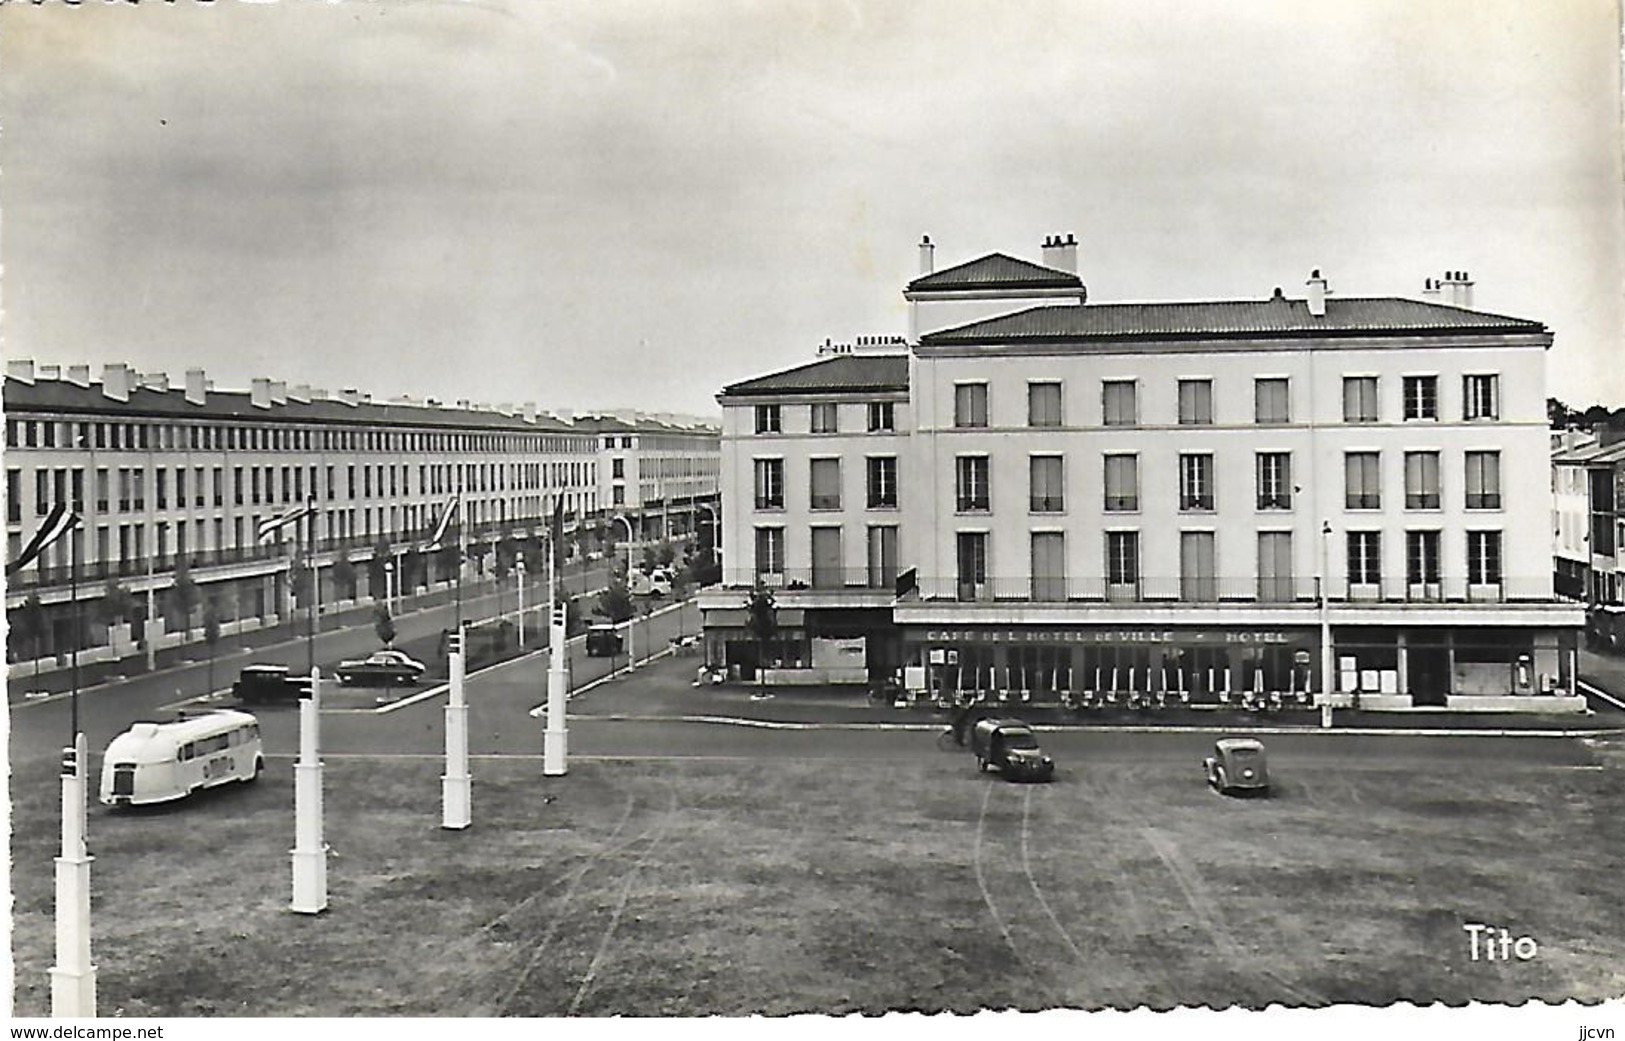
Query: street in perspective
x: 600, y: 546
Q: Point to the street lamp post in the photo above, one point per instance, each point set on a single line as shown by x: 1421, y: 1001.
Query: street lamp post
x: 151, y: 548
x: 1323, y: 583
x: 519, y: 572
x: 631, y: 625
x: 389, y: 586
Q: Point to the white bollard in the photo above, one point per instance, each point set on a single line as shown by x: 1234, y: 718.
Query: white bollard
x: 556, y: 738
x: 309, y: 851
x: 1326, y: 715
x: 456, y: 787
x: 73, y: 977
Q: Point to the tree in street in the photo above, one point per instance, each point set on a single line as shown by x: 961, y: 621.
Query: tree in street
x: 377, y: 577
x: 344, y: 575
x: 762, y: 620
x: 705, y: 569
x: 28, y: 627
x: 211, y: 633
x: 183, y: 596
x: 615, y: 603
x: 383, y: 624
x: 116, y: 604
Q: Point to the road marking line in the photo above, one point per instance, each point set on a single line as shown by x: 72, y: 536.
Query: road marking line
x: 580, y: 638
x: 1096, y: 728
x: 1603, y: 694
x: 291, y: 642
x: 212, y: 695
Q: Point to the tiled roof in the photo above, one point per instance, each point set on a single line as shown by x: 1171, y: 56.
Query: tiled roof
x: 996, y: 271
x: 1218, y: 319
x: 63, y: 396
x: 844, y: 372
x: 599, y: 424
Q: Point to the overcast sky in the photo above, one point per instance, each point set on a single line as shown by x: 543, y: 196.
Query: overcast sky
x: 603, y: 204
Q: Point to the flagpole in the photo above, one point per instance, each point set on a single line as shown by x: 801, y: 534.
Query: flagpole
x: 78, y: 628
x: 310, y: 588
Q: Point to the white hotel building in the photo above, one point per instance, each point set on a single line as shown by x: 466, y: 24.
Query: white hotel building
x: 1159, y: 496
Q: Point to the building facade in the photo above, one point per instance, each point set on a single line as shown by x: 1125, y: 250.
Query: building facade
x: 661, y: 471
x: 1588, y: 530
x: 172, y: 480
x: 1201, y: 499
x: 811, y: 485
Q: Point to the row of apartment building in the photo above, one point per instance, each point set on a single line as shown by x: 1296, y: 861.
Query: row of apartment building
x: 1032, y: 492
x: 182, y: 476
x: 1588, y: 528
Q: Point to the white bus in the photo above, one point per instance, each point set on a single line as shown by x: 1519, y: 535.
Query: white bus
x: 157, y: 762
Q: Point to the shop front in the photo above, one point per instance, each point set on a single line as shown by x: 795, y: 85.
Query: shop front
x: 1046, y: 663
x: 810, y: 646
x: 1452, y: 666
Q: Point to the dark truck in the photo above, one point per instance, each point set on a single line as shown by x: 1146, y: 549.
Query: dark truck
x: 269, y: 685
x: 1011, y: 747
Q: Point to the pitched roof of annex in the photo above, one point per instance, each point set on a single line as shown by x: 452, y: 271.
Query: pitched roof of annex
x: 1277, y: 317
x: 995, y: 271
x: 841, y: 373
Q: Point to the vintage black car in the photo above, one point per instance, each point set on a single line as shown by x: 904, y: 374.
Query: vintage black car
x: 1238, y: 765
x: 603, y: 641
x: 268, y: 684
x: 381, y: 668
x: 1010, y: 746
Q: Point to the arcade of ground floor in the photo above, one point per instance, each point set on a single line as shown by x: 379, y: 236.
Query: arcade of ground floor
x: 1387, y: 666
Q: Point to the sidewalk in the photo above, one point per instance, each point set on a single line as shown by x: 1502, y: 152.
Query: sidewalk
x: 228, y: 648
x: 667, y: 690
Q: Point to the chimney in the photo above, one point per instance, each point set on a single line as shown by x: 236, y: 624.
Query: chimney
x: 350, y: 396
x: 1061, y: 254
x: 158, y: 381
x: 463, y: 403
x: 21, y: 369
x: 928, y: 253
x: 116, y: 382
x: 1430, y: 290
x: 1464, y: 290
x: 299, y: 392
x: 1317, y: 294
x: 528, y: 411
x: 197, y: 389
x: 279, y: 392
x: 1050, y: 256
x: 79, y: 375
x: 259, y: 394
x: 318, y: 393
x: 48, y: 372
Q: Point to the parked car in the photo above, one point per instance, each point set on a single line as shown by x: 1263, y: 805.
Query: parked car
x: 268, y: 684
x: 1238, y: 765
x: 1011, y: 747
x: 603, y: 641
x: 381, y: 668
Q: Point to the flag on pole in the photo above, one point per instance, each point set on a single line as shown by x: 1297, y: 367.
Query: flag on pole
x: 443, y: 523
x: 58, y: 522
x: 267, y: 529
x: 555, y: 530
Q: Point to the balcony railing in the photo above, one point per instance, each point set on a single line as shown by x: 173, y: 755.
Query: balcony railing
x: 1204, y: 589
x: 813, y: 578
x: 1155, y: 589
x: 94, y: 572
